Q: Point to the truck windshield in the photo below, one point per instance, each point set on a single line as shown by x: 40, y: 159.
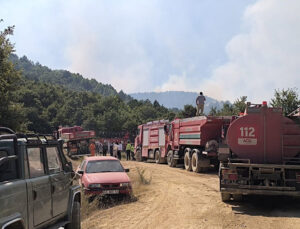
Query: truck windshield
x: 104, y: 166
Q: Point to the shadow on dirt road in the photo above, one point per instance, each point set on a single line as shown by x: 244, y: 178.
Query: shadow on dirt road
x: 269, y: 206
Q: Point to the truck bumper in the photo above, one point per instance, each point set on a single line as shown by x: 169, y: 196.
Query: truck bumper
x: 259, y: 192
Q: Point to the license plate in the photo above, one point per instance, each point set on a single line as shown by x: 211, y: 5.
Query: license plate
x: 110, y: 192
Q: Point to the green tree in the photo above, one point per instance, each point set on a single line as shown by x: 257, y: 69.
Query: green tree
x: 213, y: 111
x: 288, y: 100
x: 240, y: 104
x: 10, y: 112
x: 188, y: 111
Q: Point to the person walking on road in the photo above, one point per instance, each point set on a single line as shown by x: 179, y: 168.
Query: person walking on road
x: 132, y: 152
x: 105, y: 148
x: 92, y: 148
x: 200, y: 104
x: 115, y: 149
x: 111, y: 148
x: 120, y: 149
x: 128, y: 150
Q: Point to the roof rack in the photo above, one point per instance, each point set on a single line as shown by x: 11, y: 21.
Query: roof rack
x: 38, y: 138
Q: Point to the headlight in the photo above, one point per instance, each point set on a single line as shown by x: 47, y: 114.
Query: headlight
x: 124, y: 184
x: 95, y: 186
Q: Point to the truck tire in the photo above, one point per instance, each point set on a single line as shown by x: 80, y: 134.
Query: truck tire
x: 75, y: 222
x: 158, y: 159
x: 225, y: 196
x: 170, y: 159
x: 187, y: 161
x: 195, y: 163
x: 199, y: 164
x: 138, y: 155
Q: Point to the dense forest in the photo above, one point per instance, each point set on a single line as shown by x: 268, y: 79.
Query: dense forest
x: 37, y: 99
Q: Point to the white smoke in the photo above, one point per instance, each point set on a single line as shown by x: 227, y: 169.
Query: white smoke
x: 265, y: 58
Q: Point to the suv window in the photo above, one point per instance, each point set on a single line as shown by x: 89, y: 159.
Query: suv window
x: 36, y: 165
x: 54, y: 162
x: 8, y: 170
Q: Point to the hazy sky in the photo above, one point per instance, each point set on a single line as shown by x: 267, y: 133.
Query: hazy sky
x: 225, y: 48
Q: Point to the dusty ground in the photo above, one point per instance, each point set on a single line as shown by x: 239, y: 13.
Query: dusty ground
x: 176, y: 198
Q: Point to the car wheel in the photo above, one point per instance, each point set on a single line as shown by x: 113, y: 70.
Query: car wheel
x: 75, y: 222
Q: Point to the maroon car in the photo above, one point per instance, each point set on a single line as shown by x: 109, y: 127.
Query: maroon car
x: 103, y: 175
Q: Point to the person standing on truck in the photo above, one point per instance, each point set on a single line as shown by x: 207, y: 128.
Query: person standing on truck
x: 128, y: 150
x: 200, y: 104
x: 92, y: 148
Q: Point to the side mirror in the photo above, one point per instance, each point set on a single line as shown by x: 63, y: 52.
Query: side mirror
x: 80, y: 172
x: 126, y: 170
x: 69, y: 167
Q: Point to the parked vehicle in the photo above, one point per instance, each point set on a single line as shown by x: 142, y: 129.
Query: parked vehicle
x: 194, y: 141
x: 36, y: 183
x: 104, y: 175
x: 151, y: 141
x: 263, y: 154
x: 76, y: 140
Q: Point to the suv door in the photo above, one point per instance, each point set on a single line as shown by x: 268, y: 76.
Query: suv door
x: 60, y: 180
x: 41, y: 186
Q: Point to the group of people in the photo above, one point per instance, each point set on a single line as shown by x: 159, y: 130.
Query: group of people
x: 112, y: 149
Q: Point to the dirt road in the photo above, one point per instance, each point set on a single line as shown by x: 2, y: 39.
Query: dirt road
x: 176, y: 198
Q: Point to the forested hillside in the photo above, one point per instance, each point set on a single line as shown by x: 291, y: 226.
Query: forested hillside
x: 38, y: 99
x: 74, y: 81
x: 46, y: 106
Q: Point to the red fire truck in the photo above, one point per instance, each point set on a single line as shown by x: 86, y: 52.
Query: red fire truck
x: 151, y: 141
x: 263, y: 154
x: 195, y: 141
x: 76, y: 140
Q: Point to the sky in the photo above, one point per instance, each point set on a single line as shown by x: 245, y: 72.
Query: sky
x: 226, y: 49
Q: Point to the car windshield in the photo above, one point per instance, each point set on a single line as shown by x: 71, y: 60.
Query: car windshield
x: 104, y: 166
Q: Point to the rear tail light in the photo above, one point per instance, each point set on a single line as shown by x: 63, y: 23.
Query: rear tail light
x: 229, y: 174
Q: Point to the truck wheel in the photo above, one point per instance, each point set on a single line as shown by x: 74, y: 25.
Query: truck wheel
x: 225, y: 196
x: 138, y: 155
x: 187, y: 161
x: 199, y: 164
x: 195, y: 163
x: 157, y: 157
x: 170, y: 159
x: 75, y: 222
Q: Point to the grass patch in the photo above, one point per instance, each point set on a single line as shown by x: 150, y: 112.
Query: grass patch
x: 142, y: 176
